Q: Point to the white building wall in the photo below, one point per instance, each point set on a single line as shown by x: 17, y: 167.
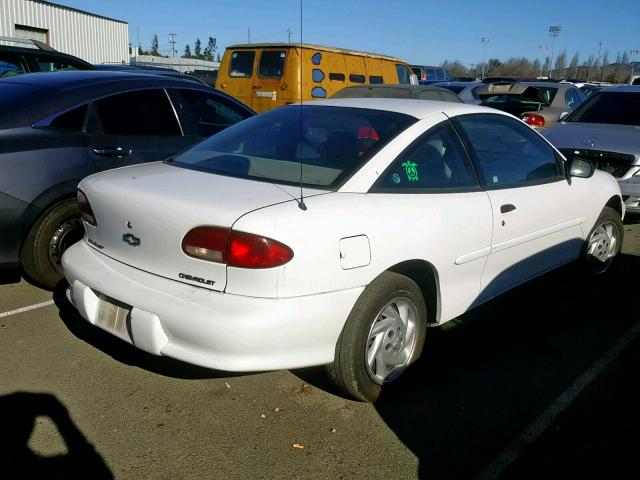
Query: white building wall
x: 90, y: 37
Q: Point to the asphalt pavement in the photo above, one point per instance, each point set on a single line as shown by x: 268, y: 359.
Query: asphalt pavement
x: 538, y: 383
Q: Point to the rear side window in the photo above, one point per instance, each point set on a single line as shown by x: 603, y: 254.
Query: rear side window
x: 431, y: 73
x: 337, y: 76
x: 207, y: 114
x: 54, y: 65
x: 10, y: 67
x: 435, y: 161
x: 356, y: 78
x: 145, y: 112
x: 376, y: 79
x: 617, y: 108
x: 404, y: 74
x: 508, y: 153
x: 72, y: 120
x: 572, y: 99
x: 271, y: 64
x: 241, y: 64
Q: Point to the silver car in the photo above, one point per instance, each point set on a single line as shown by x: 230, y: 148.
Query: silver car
x: 606, y: 130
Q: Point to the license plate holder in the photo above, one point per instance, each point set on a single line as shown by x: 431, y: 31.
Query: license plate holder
x: 113, y: 316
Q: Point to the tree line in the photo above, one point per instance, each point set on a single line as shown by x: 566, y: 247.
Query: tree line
x: 209, y: 52
x: 590, y: 68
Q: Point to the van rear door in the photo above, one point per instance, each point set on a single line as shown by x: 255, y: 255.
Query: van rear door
x: 241, y: 70
x: 269, y: 77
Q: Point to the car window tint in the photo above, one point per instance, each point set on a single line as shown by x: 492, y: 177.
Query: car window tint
x: 571, y: 98
x: 404, y: 74
x: 326, y: 148
x: 618, y: 108
x: 208, y: 114
x: 71, y: 120
x: 431, y: 73
x: 241, y: 64
x: 47, y: 65
x: 145, y: 112
x: 9, y: 68
x: 508, y: 152
x: 271, y: 64
x: 436, y: 160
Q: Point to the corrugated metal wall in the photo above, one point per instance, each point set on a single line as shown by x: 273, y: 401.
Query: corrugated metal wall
x: 94, y: 39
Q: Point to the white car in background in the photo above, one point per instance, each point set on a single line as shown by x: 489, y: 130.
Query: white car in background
x: 332, y: 233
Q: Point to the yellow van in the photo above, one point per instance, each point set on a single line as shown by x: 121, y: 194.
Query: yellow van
x: 268, y: 75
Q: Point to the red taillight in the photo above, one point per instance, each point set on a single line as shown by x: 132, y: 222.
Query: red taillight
x: 85, y: 209
x: 236, y: 249
x: 533, y: 119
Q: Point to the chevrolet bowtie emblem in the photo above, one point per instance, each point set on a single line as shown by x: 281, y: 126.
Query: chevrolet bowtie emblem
x: 131, y: 239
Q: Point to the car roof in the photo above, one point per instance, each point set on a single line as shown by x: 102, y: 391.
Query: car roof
x: 457, y: 84
x: 416, y: 108
x: 80, y: 78
x: 621, y: 88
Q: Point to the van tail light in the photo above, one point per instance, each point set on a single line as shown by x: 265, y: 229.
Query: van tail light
x: 86, y: 213
x: 533, y: 119
x: 236, y: 249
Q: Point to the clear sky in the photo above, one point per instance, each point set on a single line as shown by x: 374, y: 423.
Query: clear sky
x: 419, y: 31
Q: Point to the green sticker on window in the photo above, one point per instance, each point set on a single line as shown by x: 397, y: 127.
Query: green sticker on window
x: 411, y: 169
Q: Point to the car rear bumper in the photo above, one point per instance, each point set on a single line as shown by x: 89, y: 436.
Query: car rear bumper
x: 207, y: 328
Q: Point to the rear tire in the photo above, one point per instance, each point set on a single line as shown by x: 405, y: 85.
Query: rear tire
x: 382, y: 336
x: 56, y: 229
x: 603, y: 243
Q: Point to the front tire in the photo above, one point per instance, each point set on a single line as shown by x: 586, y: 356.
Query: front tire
x: 603, y: 243
x: 57, y: 228
x: 382, y: 336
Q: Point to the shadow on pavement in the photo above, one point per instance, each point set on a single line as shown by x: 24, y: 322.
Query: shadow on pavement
x: 18, y: 413
x: 485, y: 376
x: 125, y: 353
x: 9, y: 276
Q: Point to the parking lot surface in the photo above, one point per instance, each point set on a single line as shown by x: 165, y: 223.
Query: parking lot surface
x: 539, y: 382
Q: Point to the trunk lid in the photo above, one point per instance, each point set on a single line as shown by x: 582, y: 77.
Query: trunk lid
x: 143, y: 212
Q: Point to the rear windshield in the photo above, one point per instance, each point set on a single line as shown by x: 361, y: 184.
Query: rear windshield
x: 325, y: 149
x: 618, y: 108
x: 241, y: 64
x: 531, y: 96
x: 271, y: 64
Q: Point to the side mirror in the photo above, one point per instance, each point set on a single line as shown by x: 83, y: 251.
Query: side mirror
x: 581, y: 168
x: 413, y: 79
x: 562, y: 116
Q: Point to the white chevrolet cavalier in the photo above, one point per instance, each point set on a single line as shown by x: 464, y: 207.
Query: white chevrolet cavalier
x: 332, y: 233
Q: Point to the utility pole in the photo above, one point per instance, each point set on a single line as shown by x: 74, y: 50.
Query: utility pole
x: 554, y: 31
x: 172, y: 41
x: 485, y: 42
x: 600, y: 59
x: 249, y: 35
x: 289, y: 33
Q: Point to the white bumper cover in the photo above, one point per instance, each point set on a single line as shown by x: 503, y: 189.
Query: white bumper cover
x: 207, y: 328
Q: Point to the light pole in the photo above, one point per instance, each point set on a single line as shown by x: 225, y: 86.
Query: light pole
x: 485, y: 42
x: 543, y: 48
x: 633, y: 53
x: 554, y: 31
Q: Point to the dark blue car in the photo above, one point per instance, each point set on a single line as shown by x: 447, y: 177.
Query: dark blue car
x: 57, y: 128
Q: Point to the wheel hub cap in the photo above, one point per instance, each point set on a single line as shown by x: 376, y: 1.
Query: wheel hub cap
x: 391, y: 340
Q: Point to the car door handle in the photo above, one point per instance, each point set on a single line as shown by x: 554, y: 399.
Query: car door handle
x: 112, y: 151
x: 506, y: 208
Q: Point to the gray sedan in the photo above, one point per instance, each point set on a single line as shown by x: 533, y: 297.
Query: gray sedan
x: 606, y: 130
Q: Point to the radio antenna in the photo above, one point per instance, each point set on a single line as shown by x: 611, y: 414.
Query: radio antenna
x: 301, y: 202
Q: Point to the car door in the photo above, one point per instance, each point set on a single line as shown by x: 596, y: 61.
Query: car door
x: 270, y: 76
x: 133, y: 127
x: 429, y: 199
x: 203, y: 114
x: 536, y: 216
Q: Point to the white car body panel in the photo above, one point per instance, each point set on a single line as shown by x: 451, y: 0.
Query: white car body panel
x: 291, y: 316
